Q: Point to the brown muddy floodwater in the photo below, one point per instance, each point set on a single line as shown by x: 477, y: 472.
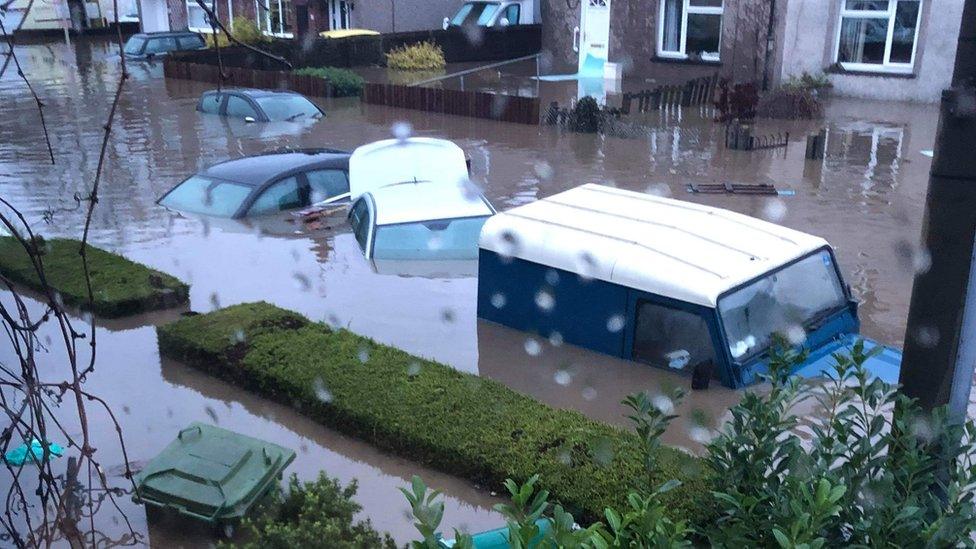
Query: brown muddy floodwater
x: 866, y: 198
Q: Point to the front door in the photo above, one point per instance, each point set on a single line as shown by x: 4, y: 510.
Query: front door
x: 594, y: 40
x: 301, y: 19
x: 338, y: 14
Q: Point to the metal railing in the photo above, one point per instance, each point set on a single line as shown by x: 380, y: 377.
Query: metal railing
x: 461, y: 74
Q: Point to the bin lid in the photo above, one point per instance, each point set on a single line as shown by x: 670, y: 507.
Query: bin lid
x: 212, y: 474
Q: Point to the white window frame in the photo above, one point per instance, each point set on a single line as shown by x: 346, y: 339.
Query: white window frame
x: 263, y: 7
x: 687, y: 9
x: 886, y: 66
x: 207, y: 29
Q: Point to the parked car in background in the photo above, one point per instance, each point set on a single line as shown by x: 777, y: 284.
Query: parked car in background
x: 494, y: 13
x: 264, y: 184
x: 155, y: 44
x: 252, y: 105
x: 419, y: 220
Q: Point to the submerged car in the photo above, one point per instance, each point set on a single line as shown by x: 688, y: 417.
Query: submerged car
x: 683, y: 287
x: 419, y: 220
x: 264, y: 184
x: 252, y: 105
x: 155, y: 44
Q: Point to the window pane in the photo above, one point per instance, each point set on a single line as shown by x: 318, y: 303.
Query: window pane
x: 239, y: 108
x: 704, y: 34
x: 672, y: 25
x: 671, y: 338
x: 210, y: 103
x: 868, y: 5
x: 274, y: 13
x: 206, y: 196
x: 281, y: 196
x: 325, y: 184
x: 442, y: 239
x: 287, y: 107
x: 489, y: 11
x: 190, y: 42
x: 512, y: 14
x: 134, y: 45
x: 196, y: 17
x: 161, y: 45
x: 903, y: 37
x: 706, y: 3
x: 287, y: 16
x: 462, y: 14
x: 862, y: 40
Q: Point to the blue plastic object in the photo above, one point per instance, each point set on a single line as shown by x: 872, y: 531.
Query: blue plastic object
x: 32, y: 454
x: 498, y: 538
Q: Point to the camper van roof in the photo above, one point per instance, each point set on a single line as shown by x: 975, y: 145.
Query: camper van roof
x: 677, y: 249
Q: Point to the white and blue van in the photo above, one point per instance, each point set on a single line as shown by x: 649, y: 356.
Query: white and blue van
x: 679, y: 286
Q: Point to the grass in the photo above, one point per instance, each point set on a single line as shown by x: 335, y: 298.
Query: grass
x: 344, y: 82
x: 121, y: 287
x: 425, y: 411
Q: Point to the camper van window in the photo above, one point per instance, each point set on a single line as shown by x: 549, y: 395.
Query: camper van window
x: 789, y: 302
x: 671, y: 338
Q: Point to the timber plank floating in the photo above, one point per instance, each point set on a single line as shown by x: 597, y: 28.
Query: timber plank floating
x: 121, y: 287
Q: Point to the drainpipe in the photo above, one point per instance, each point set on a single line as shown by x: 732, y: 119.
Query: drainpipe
x: 940, y: 342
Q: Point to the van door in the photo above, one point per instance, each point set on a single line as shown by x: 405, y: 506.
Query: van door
x: 594, y: 37
x: 674, y: 337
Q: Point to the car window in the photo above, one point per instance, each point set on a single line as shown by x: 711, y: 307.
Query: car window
x: 359, y: 220
x: 439, y: 239
x: 161, y: 45
x: 325, y: 184
x: 486, y: 15
x: 280, y: 196
x: 671, y: 339
x: 238, y: 107
x: 202, y: 195
x: 190, y: 42
x: 287, y: 106
x: 210, y: 103
x: 134, y: 45
x: 512, y: 14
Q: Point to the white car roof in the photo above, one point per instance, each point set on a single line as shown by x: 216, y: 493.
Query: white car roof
x: 390, y: 161
x: 426, y: 201
x: 677, y: 249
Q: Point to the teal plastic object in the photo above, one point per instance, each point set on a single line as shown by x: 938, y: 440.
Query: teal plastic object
x: 498, y: 538
x: 32, y: 454
x: 211, y: 474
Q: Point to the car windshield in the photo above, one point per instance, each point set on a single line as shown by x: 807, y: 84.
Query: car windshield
x: 202, y: 195
x: 440, y: 239
x: 134, y: 45
x: 784, y: 302
x: 287, y: 106
x: 474, y: 13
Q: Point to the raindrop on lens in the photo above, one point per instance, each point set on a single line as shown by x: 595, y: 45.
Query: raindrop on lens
x: 544, y: 300
x: 774, y: 209
x: 498, y: 300
x: 585, y: 265
x: 658, y: 189
x: 215, y: 300
x: 663, y: 403
x: 532, y: 347
x: 615, y: 323
x: 239, y: 336
x: 589, y: 393
x: 413, y: 369
x: 435, y: 243
x: 552, y: 277
x: 543, y: 170
x: 447, y: 316
x: 402, y: 130
x: 699, y: 434
x: 555, y: 339
x: 796, y: 335
x: 363, y: 355
x: 321, y: 392
x: 302, y: 281
x: 508, y: 244
x: 563, y: 377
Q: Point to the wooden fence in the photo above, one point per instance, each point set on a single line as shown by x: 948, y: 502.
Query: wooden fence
x: 248, y: 78
x: 698, y: 91
x: 492, y: 106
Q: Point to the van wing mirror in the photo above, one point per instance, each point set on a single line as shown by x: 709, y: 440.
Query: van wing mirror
x: 446, y: 23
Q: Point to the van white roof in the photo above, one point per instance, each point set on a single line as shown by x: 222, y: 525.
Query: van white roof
x: 390, y: 161
x: 677, y: 249
x: 425, y: 201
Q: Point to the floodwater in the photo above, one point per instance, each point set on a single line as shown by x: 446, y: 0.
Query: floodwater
x: 866, y: 198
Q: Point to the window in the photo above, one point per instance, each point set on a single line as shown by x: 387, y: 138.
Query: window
x: 671, y: 338
x: 238, y: 107
x: 210, y: 103
x: 878, y: 35
x: 797, y: 296
x: 359, y: 220
x: 280, y: 196
x: 161, y: 45
x: 206, y: 196
x: 512, y: 14
x: 690, y: 29
x: 189, y: 42
x: 338, y: 14
x: 275, y: 17
x: 134, y: 45
x: 486, y: 14
x: 287, y: 106
x: 326, y: 184
x: 196, y: 17
x: 438, y: 239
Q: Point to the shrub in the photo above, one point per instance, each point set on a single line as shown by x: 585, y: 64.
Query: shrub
x: 585, y: 117
x: 310, y: 515
x: 459, y: 423
x: 422, y: 56
x: 790, y: 103
x: 120, y: 287
x: 344, y: 82
x: 244, y: 29
x: 807, y: 81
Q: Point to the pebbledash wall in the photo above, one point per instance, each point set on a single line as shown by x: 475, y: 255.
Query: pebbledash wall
x: 809, y: 32
x: 765, y: 41
x: 376, y: 15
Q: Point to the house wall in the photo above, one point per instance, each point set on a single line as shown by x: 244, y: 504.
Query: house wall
x: 411, y: 15
x: 808, y: 29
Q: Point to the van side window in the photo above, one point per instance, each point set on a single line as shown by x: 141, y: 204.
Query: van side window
x: 210, y: 103
x: 671, y: 338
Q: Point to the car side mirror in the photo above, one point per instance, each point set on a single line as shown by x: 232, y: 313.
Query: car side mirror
x: 446, y: 23
x: 249, y: 119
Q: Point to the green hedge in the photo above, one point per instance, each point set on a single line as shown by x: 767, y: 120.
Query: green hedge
x: 344, y: 82
x: 121, y: 287
x: 425, y: 411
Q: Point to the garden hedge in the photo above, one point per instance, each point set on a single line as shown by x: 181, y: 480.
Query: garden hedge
x: 458, y: 423
x: 121, y: 287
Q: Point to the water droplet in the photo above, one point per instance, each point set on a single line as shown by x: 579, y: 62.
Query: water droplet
x: 402, y: 130
x: 498, y: 300
x: 215, y: 300
x: 545, y: 300
x: 658, y: 189
x: 615, y: 323
x: 586, y: 266
x: 543, y: 170
x: 589, y: 393
x: 302, y: 282
x: 556, y: 339
x: 563, y: 377
x: 927, y: 336
x: 796, y: 335
x: 508, y: 244
x: 239, y: 336
x: 774, y: 210
x: 321, y: 392
x: 552, y: 277
x: 435, y: 242
x: 532, y: 347
x: 363, y: 355
x: 700, y: 435
x: 413, y: 369
x: 447, y: 316
x: 663, y: 403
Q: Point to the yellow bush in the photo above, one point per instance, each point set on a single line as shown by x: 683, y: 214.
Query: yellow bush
x: 423, y: 56
x: 243, y: 29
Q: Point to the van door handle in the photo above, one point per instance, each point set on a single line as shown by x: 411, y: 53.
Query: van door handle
x: 576, y: 39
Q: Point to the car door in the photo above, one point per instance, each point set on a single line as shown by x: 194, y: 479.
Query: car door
x: 210, y: 103
x: 237, y: 106
x: 327, y: 185
x: 674, y: 336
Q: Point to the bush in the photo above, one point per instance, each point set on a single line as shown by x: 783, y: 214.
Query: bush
x: 459, y: 423
x: 807, y: 81
x: 313, y: 514
x: 585, y: 117
x: 344, y: 82
x: 244, y: 29
x: 422, y: 56
x: 120, y: 287
x: 791, y: 104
